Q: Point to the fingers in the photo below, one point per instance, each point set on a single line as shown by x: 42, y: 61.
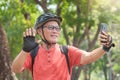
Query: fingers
x: 29, y: 32
x: 105, y: 38
x: 104, y: 33
x: 34, y: 32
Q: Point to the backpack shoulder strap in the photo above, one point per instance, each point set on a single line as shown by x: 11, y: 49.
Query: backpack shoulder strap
x: 33, y: 54
x: 64, y: 50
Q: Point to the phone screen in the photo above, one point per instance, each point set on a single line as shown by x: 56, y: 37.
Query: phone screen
x: 103, y: 27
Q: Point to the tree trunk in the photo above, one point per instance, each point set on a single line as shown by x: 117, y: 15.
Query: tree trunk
x: 111, y: 72
x: 5, y: 70
x: 76, y: 73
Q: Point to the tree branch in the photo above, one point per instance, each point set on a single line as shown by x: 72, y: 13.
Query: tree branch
x: 92, y: 43
x: 58, y: 9
x: 75, y: 38
x: 43, y: 4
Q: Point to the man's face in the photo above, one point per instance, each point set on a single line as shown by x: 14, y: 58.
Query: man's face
x: 51, y: 31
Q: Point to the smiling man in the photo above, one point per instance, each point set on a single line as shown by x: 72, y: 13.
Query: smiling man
x: 50, y: 63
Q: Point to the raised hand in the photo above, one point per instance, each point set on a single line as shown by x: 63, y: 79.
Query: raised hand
x: 29, y: 42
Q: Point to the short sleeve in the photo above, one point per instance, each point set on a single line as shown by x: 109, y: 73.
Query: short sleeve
x: 74, y: 55
x: 27, y: 63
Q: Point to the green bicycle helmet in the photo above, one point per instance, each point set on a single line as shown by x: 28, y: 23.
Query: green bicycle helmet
x: 42, y: 19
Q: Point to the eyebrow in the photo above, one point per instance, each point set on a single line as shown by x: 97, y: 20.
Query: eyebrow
x: 52, y: 25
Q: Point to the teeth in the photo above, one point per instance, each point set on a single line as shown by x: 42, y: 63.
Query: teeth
x: 54, y: 36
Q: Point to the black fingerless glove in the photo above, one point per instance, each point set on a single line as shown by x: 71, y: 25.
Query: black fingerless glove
x: 107, y: 48
x: 29, y: 43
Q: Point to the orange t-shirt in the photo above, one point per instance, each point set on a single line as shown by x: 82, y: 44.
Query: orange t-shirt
x: 51, y: 64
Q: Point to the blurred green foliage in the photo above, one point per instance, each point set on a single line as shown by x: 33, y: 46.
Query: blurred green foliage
x: 92, y: 13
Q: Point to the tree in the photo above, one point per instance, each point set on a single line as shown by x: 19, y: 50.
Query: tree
x: 81, y: 19
x: 5, y: 70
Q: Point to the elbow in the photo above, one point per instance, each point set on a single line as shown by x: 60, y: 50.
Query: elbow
x: 85, y: 62
x: 15, y: 69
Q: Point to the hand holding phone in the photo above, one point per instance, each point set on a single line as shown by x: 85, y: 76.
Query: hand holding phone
x: 103, y: 28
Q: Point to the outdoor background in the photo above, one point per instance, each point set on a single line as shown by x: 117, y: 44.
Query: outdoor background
x: 80, y: 28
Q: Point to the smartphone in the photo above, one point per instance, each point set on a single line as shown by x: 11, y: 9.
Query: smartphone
x: 103, y: 27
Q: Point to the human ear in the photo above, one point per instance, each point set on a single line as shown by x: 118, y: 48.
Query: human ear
x: 39, y: 31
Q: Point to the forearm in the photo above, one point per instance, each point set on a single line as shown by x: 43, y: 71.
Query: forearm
x: 92, y: 56
x: 18, y: 62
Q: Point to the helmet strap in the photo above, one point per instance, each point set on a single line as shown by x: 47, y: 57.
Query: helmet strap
x: 44, y: 39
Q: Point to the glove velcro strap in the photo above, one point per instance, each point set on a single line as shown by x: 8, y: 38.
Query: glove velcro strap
x: 29, y: 49
x: 105, y: 48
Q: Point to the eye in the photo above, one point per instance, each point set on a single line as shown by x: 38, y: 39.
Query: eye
x: 58, y: 28
x: 51, y: 27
